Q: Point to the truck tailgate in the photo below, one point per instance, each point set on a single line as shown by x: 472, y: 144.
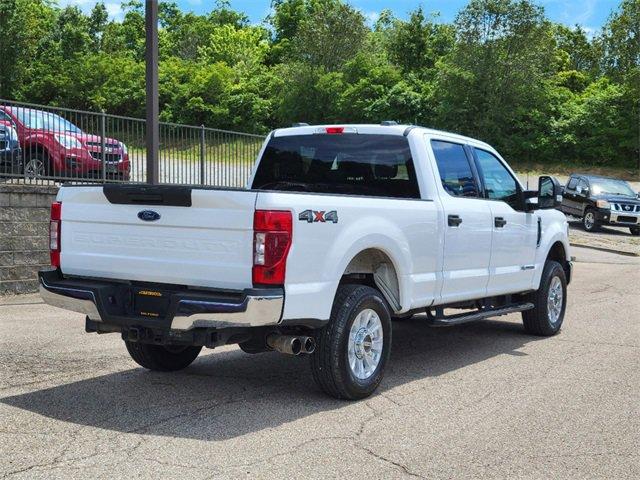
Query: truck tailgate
x: 206, y: 244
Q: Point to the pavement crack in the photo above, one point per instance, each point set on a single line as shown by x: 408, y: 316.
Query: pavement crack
x: 388, y: 461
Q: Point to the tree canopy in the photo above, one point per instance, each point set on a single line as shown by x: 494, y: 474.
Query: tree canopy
x: 502, y: 71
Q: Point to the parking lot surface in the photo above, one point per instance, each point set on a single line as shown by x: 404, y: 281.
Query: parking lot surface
x: 477, y: 401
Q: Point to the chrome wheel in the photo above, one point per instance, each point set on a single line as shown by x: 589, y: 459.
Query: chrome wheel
x: 365, y: 344
x: 34, y: 168
x: 555, y: 300
x: 589, y: 220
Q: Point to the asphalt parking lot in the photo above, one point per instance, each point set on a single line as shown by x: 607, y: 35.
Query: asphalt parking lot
x: 476, y: 401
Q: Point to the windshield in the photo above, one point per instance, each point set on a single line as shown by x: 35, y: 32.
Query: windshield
x: 40, y: 120
x: 369, y: 165
x: 609, y: 186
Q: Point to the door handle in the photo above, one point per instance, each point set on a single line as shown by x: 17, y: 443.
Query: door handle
x: 499, y: 222
x: 454, y: 220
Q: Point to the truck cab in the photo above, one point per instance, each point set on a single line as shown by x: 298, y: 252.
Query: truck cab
x: 341, y: 229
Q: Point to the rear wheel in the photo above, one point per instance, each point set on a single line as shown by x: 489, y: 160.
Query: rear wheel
x: 635, y: 231
x: 162, y: 358
x: 589, y: 221
x: 550, y: 302
x: 353, y: 349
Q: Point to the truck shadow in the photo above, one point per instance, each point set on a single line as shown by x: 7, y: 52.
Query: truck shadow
x: 229, y: 394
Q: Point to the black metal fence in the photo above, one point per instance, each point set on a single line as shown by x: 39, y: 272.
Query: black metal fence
x: 40, y: 144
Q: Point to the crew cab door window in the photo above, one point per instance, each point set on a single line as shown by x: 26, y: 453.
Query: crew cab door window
x: 498, y: 182
x: 455, y: 170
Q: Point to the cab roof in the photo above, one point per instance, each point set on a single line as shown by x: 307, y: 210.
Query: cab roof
x: 372, y: 129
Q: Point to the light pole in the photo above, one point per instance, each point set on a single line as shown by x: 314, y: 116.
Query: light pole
x: 151, y: 56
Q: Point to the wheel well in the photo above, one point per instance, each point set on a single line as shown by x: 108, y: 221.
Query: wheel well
x: 374, y: 268
x: 36, y: 148
x: 558, y: 254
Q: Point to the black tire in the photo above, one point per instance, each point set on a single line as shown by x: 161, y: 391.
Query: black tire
x: 538, y: 321
x: 330, y: 361
x: 160, y: 358
x: 589, y: 221
x: 635, y: 231
x: 36, y: 164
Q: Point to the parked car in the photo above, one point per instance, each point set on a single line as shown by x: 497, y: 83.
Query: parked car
x: 342, y: 228
x: 601, y: 201
x: 53, y: 146
x: 10, y: 153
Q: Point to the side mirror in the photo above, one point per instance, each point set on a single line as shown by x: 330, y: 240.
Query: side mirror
x: 549, y: 193
x: 582, y: 191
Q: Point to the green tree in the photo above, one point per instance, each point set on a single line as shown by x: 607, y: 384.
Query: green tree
x: 98, y: 20
x: 330, y: 36
x: 492, y: 84
x: 418, y: 43
x: 243, y: 48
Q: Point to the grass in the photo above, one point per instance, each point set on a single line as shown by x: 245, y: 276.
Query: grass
x: 232, y: 152
x: 567, y: 168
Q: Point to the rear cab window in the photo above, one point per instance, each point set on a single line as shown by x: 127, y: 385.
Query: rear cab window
x: 454, y: 168
x: 348, y: 164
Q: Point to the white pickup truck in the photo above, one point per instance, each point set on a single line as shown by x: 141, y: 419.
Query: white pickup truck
x: 341, y: 230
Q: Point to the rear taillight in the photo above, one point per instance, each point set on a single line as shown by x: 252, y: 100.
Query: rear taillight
x: 54, y: 233
x: 272, y: 231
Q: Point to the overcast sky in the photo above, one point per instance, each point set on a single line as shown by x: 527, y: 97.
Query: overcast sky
x: 591, y: 14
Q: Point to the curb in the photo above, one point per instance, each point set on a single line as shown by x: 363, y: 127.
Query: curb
x: 604, y: 249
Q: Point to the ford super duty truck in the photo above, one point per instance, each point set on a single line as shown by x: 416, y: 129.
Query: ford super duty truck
x: 341, y: 230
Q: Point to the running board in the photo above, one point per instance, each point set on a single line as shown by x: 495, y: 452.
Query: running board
x: 448, y: 321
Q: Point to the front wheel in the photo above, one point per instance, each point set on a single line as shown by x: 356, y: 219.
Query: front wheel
x: 353, y: 349
x: 550, y: 302
x: 162, y: 358
x: 589, y: 221
x: 36, y: 165
x: 635, y: 231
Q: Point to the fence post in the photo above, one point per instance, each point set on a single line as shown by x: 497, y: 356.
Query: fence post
x: 103, y: 134
x: 151, y: 75
x: 202, y: 154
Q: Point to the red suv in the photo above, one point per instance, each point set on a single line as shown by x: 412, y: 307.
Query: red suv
x: 53, y: 146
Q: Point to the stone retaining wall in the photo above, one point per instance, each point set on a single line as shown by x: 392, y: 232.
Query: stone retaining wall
x: 24, y: 234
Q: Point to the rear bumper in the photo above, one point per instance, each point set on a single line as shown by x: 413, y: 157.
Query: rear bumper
x: 112, y: 303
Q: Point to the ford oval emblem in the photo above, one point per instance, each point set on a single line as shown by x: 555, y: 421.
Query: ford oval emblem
x: 148, y: 215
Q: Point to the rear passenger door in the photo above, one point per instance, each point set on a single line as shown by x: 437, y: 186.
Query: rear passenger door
x: 467, y: 217
x: 515, y: 232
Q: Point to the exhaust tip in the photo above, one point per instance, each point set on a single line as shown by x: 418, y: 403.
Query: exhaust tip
x: 309, y: 345
x: 296, y: 346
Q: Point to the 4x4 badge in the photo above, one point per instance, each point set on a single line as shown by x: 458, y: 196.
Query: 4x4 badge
x: 312, y: 216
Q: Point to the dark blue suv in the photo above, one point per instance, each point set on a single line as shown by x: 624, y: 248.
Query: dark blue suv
x: 10, y: 153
